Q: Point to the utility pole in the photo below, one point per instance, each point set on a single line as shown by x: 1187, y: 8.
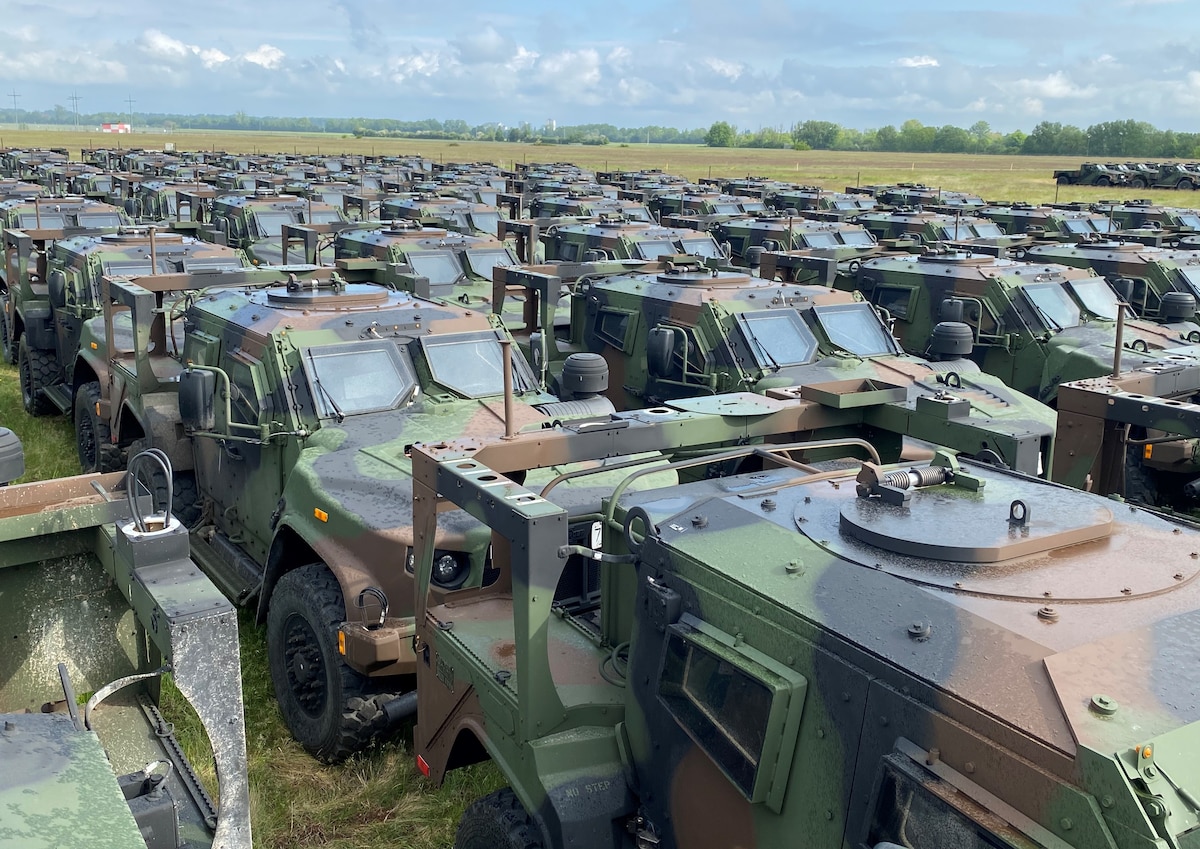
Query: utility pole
x: 16, y: 118
x: 74, y: 98
x: 130, y: 101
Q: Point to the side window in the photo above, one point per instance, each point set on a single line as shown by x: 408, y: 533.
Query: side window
x: 897, y: 300
x: 568, y: 251
x: 250, y: 403
x: 613, y: 327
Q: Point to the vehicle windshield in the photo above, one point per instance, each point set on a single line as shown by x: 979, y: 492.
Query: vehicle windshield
x: 824, y: 239
x: 856, y: 237
x: 753, y: 206
x: 98, y: 219
x: 438, y: 266
x: 326, y: 216
x: 1191, y: 279
x: 449, y: 219
x: 471, y: 364
x: 725, y: 209
x: 349, y: 379
x: 1097, y: 297
x: 487, y: 196
x: 134, y: 268
x: 955, y: 231
x: 855, y: 328
x: 271, y: 223
x: 778, y: 338
x: 483, y: 260
x: 636, y: 213
x: 1192, y: 221
x: 101, y: 184
x: 47, y: 221
x: 486, y: 222
x: 210, y: 263
x: 655, y: 249
x: 987, y: 230
x: 1052, y: 306
x: 701, y: 247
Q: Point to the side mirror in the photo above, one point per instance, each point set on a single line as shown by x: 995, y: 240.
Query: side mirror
x: 57, y: 286
x: 951, y: 310
x: 197, y: 400
x: 660, y: 344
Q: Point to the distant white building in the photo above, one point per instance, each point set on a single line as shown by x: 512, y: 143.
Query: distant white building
x: 114, y: 128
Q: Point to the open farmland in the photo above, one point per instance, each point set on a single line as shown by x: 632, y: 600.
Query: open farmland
x: 1013, y: 178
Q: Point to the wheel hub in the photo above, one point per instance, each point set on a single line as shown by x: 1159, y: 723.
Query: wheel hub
x: 305, y: 666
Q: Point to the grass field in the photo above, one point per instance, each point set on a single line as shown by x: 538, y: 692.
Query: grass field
x: 1026, y: 178
x: 379, y: 799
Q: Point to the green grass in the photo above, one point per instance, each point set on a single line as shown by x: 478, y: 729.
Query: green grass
x: 49, y: 441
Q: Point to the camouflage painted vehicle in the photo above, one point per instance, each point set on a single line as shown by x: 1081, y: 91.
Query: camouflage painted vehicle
x: 546, y: 205
x: 705, y: 203
x: 1092, y: 174
x: 157, y: 202
x: 677, y: 329
x: 1049, y: 223
x: 1160, y: 284
x: 1132, y: 214
x: 49, y: 317
x: 289, y: 404
x: 967, y: 232
x: 99, y: 598
x: 609, y: 238
x: 60, y: 214
x: 816, y: 202
x: 940, y: 638
x: 1172, y: 175
x: 750, y: 238
x: 255, y: 223
x: 13, y: 189
x: 461, y: 216
x: 1034, y: 325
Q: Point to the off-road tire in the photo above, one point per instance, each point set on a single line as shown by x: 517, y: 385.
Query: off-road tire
x: 185, y: 498
x: 498, y: 821
x: 1185, y: 185
x: 331, y: 709
x: 93, y: 436
x: 37, y: 369
x: 1103, y: 181
x: 1137, y: 183
x: 8, y: 350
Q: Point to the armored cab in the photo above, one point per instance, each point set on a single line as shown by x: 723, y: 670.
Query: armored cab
x: 1160, y: 284
x: 1048, y: 223
x: 680, y: 330
x: 1033, y: 325
x: 255, y: 223
x: 975, y: 658
x: 619, y: 239
x: 461, y: 216
x: 967, y: 232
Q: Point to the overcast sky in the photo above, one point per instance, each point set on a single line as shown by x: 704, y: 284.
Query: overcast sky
x: 681, y: 63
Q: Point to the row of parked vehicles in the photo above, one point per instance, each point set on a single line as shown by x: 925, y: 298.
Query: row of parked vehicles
x: 658, y: 512
x: 1136, y: 175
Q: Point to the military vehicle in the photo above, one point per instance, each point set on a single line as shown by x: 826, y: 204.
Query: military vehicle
x: 546, y: 205
x: 678, y: 329
x: 1034, y: 325
x: 255, y: 223
x: 48, y: 316
x: 1159, y: 283
x: 705, y: 203
x: 1133, y: 214
x: 157, y: 201
x: 611, y: 238
x: 1048, y: 223
x: 295, y: 395
x: 815, y: 202
x: 1092, y: 174
x: 60, y: 213
x: 975, y: 658
x: 749, y: 239
x: 98, y: 598
x: 1171, y: 175
x: 461, y: 216
x: 969, y: 232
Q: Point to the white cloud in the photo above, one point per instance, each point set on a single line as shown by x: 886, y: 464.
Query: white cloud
x: 1056, y: 85
x: 729, y: 70
x: 922, y: 61
x: 521, y: 60
x: 265, y: 56
x: 162, y: 46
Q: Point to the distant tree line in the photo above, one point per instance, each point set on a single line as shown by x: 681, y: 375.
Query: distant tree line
x: 1129, y: 138
x: 1134, y: 139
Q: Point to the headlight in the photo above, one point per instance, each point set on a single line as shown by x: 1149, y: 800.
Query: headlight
x: 450, y: 570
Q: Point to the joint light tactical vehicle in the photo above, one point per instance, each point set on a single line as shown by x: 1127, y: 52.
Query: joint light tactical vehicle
x: 976, y: 659
x: 678, y: 329
x: 289, y: 408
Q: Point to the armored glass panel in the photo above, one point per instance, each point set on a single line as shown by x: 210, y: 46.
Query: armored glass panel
x: 724, y: 710
x: 1104, y: 225
x: 955, y: 231
x: 701, y: 247
x: 1096, y: 297
x: 987, y: 230
x: 97, y: 219
x: 349, y: 379
x: 753, y: 206
x: 439, y: 267
x: 484, y: 260
x: 210, y: 263
x: 778, y: 338
x: 49, y: 221
x: 820, y: 240
x: 1191, y: 279
x: 856, y: 237
x: 326, y: 216
x: 452, y: 219
x: 855, y: 328
x: 613, y: 326
x: 1192, y: 221
x: 487, y: 196
x: 1078, y: 225
x: 101, y: 184
x: 271, y: 223
x: 1053, y: 307
x: 638, y: 213
x: 726, y: 209
x: 653, y: 250
x: 487, y: 222
x: 471, y: 364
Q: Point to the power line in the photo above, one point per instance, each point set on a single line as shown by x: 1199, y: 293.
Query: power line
x: 130, y: 101
x: 74, y: 98
x: 16, y: 118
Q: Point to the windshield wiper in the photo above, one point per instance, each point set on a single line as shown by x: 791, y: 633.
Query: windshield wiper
x: 1051, y: 324
x: 750, y: 334
x: 337, y: 411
